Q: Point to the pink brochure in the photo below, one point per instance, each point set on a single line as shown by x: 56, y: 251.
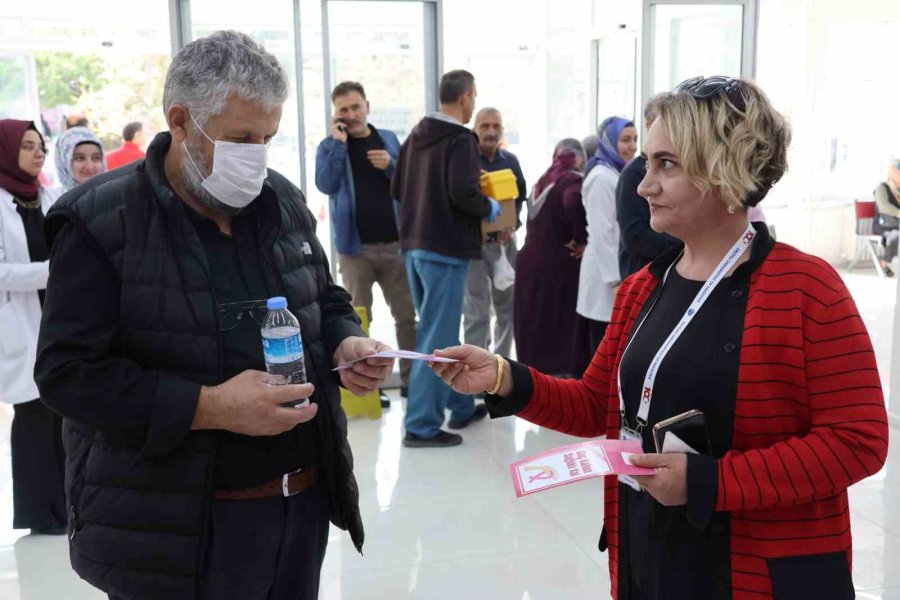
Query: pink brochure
x: 577, y: 462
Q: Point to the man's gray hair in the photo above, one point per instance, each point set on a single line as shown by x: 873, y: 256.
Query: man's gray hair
x: 654, y: 105
x: 488, y: 110
x: 208, y: 71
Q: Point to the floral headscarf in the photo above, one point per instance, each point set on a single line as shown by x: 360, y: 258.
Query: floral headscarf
x: 65, y: 149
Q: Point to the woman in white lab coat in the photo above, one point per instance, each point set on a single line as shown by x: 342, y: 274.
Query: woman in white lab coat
x: 36, y: 440
x: 599, y: 278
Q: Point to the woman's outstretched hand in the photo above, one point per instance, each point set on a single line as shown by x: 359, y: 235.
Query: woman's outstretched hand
x: 475, y: 372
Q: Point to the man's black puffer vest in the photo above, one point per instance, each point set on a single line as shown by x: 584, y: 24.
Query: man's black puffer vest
x: 138, y: 506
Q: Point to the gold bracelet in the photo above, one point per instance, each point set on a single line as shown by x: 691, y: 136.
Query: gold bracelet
x: 499, y: 383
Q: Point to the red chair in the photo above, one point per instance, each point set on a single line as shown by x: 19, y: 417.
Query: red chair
x: 867, y: 243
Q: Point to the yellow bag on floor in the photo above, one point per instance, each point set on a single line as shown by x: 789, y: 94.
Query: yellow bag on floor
x: 361, y: 406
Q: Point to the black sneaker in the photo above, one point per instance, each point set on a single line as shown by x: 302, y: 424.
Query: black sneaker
x: 481, y: 412
x: 443, y: 439
x: 404, y: 391
x: 384, y: 398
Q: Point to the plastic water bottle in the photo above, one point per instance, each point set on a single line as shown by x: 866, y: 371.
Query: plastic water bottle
x: 283, y: 346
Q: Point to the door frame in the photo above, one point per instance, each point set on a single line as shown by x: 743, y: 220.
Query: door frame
x: 434, y: 50
x: 594, y: 96
x: 748, y: 45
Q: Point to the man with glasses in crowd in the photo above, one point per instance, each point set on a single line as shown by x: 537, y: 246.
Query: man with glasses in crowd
x: 354, y: 165
x: 187, y: 475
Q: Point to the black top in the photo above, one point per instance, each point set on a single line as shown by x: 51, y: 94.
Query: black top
x: 638, y: 243
x: 664, y: 551
x: 237, y: 276
x: 375, y: 218
x: 508, y: 160
x: 678, y: 553
x: 33, y: 220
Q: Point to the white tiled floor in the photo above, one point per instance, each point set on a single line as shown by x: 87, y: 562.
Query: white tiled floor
x: 445, y: 524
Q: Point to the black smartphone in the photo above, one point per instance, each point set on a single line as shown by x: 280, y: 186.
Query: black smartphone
x: 690, y: 427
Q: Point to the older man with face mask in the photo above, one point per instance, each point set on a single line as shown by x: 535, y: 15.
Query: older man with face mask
x: 187, y: 475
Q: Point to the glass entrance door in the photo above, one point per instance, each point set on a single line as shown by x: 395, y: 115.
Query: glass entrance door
x: 683, y: 39
x: 271, y: 22
x: 390, y: 48
x: 614, y: 84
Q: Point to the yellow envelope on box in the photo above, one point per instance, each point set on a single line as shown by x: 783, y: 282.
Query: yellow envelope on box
x: 361, y: 406
x: 500, y: 185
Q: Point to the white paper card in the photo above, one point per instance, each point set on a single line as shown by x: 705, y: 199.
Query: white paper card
x: 405, y: 354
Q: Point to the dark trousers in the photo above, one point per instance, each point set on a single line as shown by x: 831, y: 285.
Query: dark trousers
x: 38, y: 467
x: 269, y: 549
x: 588, y: 335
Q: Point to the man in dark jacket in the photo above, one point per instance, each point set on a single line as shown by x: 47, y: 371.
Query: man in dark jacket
x: 639, y: 245
x: 437, y: 182
x: 187, y: 476
x: 481, y: 293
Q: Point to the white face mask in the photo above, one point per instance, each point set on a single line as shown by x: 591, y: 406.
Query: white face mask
x: 238, y: 171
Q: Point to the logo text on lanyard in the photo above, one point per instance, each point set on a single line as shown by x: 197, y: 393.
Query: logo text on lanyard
x: 725, y: 265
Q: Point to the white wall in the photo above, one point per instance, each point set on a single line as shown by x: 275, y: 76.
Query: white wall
x: 831, y: 68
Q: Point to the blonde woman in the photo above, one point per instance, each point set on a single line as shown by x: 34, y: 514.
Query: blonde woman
x: 750, y: 353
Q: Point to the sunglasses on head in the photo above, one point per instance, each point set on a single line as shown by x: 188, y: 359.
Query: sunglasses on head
x: 231, y: 313
x: 704, y: 88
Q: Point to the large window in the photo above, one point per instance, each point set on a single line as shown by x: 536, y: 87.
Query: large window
x: 684, y: 39
x: 106, y: 62
x: 270, y: 22
x: 615, y: 65
x: 382, y: 45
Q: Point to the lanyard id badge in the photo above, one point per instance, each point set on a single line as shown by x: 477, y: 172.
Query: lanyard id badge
x: 728, y: 261
x: 627, y: 434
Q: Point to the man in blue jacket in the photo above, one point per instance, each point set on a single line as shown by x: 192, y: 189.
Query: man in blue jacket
x: 354, y: 166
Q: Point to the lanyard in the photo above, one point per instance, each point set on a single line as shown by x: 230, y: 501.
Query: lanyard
x: 725, y: 265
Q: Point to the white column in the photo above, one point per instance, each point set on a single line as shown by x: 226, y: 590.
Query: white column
x: 894, y: 376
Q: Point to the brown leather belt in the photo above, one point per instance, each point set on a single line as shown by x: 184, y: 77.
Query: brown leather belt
x: 286, y: 485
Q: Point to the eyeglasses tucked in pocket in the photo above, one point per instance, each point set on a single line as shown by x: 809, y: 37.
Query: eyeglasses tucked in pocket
x: 231, y: 313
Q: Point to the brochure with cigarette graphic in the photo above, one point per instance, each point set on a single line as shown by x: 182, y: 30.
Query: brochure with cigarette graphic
x: 577, y: 462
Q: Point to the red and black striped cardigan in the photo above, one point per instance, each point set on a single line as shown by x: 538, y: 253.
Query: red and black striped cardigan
x: 809, y: 418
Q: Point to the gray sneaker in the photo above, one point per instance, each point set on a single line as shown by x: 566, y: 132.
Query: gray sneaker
x: 443, y: 439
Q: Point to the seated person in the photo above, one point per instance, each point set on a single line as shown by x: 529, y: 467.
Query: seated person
x: 887, y: 219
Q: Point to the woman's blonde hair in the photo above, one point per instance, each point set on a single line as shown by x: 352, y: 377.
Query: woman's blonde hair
x: 742, y: 152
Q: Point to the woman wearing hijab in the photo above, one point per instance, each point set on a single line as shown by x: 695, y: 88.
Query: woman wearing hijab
x: 547, y: 265
x: 36, y: 438
x: 79, y: 156
x: 599, y: 277
x: 742, y: 367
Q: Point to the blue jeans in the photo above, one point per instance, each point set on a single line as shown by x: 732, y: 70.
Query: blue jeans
x: 437, y: 290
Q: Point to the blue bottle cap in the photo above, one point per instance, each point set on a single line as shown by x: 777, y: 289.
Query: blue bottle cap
x: 276, y: 303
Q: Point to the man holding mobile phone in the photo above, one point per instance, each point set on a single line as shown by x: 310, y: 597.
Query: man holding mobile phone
x: 354, y: 165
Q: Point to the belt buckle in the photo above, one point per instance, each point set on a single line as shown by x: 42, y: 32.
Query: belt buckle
x: 285, y: 486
